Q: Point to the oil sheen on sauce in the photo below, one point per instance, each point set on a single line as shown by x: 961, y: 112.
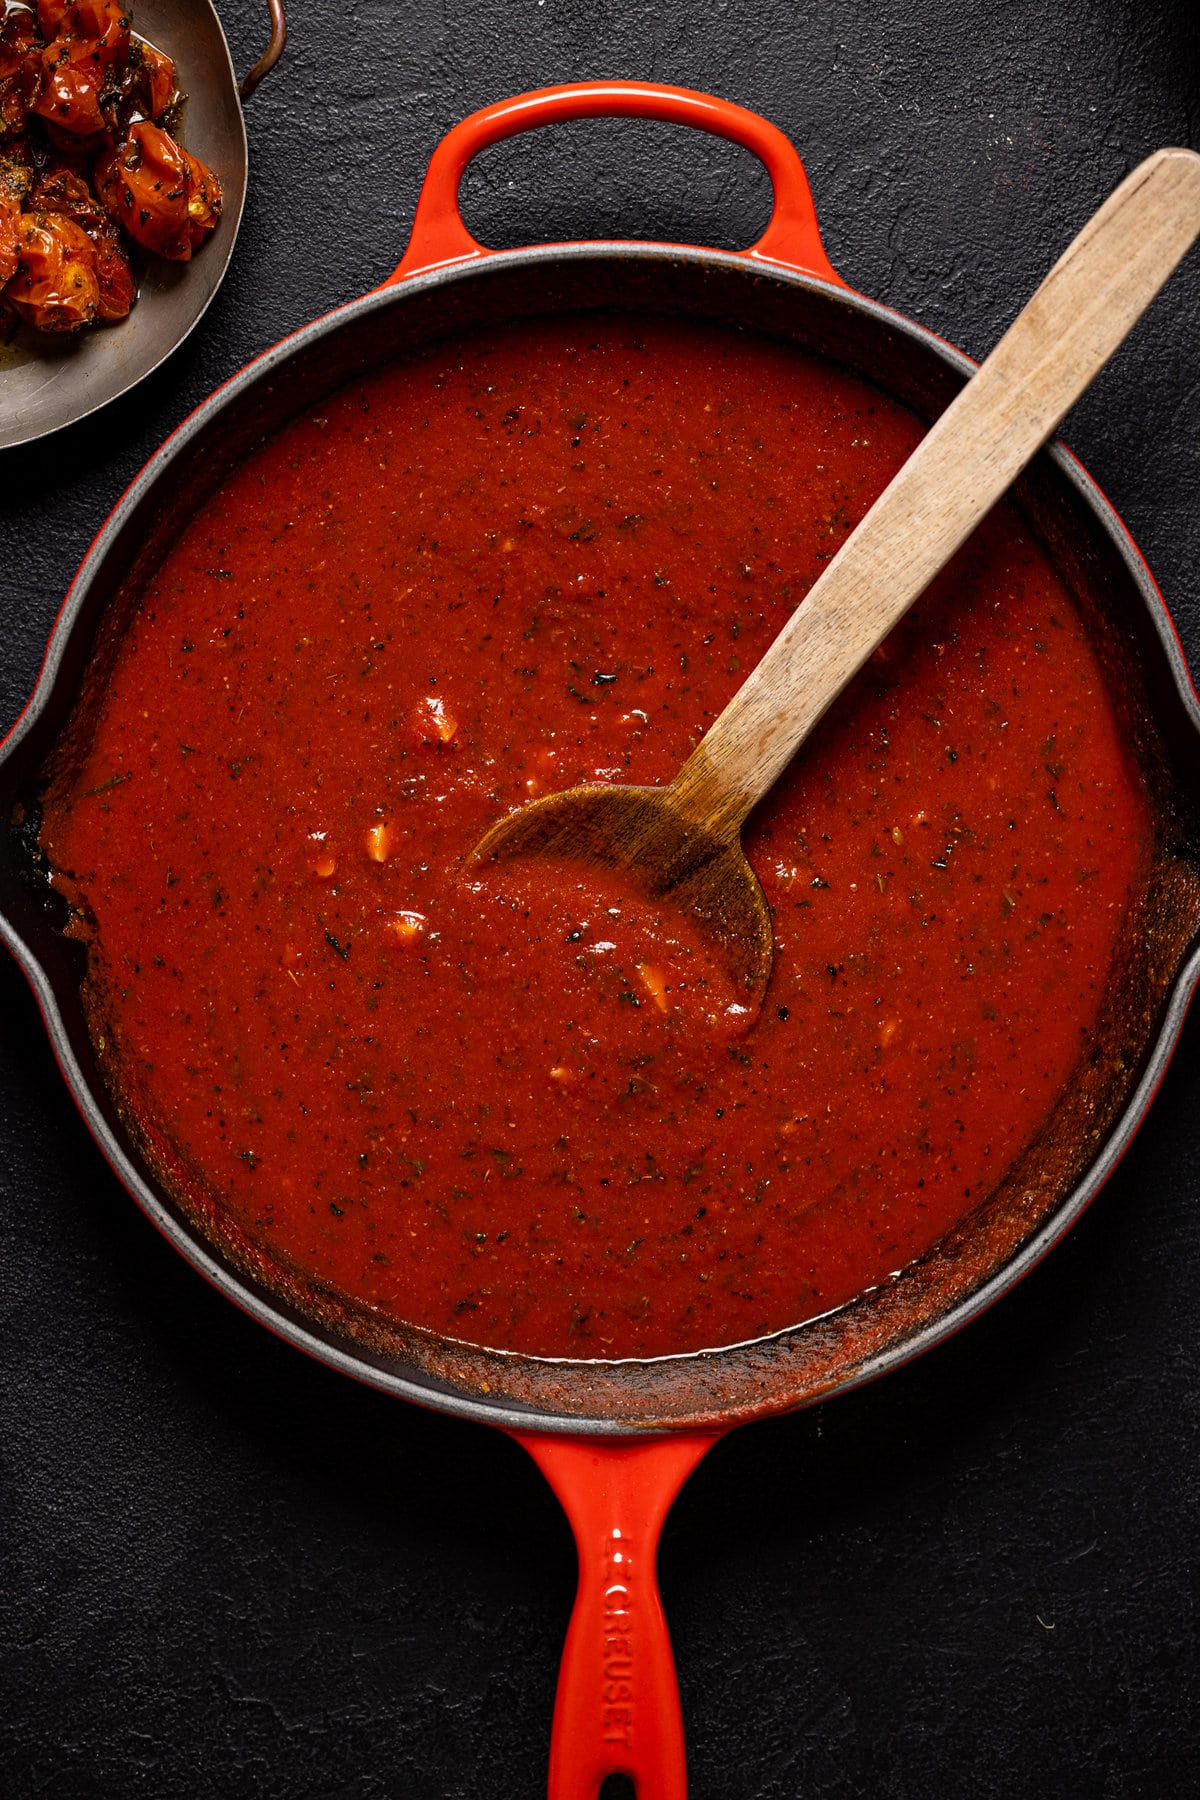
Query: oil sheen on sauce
x: 515, y: 1107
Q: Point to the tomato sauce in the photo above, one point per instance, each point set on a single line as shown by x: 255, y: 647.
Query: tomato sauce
x: 512, y: 1105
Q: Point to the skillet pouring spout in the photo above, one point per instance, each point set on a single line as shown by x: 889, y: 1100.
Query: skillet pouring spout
x: 642, y: 834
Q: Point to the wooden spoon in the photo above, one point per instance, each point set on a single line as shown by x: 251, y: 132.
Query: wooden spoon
x: 680, y: 843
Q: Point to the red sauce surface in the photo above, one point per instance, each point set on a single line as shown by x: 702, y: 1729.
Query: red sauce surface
x: 515, y: 1108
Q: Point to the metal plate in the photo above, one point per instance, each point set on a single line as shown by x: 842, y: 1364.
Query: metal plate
x: 47, y: 382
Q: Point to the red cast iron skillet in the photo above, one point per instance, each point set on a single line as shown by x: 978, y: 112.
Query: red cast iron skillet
x: 617, y: 1440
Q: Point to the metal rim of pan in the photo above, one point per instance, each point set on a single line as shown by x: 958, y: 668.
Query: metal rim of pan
x: 703, y: 1389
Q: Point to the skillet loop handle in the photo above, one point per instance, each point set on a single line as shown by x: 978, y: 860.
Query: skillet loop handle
x: 617, y: 1707
x: 439, y: 237
x: 271, y: 54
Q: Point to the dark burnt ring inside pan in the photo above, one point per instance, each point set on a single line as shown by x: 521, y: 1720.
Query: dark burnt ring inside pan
x: 1156, y: 968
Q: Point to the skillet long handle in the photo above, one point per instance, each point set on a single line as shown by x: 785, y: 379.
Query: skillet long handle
x: 617, y: 1707
x: 1086, y: 306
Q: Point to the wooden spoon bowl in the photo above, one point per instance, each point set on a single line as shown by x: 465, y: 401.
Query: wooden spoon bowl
x: 647, y: 835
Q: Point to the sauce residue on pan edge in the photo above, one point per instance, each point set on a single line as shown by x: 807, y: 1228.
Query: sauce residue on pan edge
x: 515, y: 1107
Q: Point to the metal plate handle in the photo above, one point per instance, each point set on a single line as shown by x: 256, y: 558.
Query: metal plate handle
x: 271, y: 54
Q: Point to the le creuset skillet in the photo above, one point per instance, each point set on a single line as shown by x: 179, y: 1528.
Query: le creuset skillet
x: 47, y: 383
x: 617, y: 1440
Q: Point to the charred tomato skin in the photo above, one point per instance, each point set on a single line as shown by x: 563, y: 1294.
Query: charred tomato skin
x: 63, y: 191
x: 73, y: 82
x: 106, y: 25
x: 80, y: 98
x: 56, y: 286
x: 20, y: 70
x: 164, y: 198
x: 10, y: 226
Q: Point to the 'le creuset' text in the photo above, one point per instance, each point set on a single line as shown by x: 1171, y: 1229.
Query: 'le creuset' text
x: 618, y: 1642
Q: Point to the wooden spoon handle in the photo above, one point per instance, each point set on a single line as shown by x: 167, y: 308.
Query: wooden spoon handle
x: 1086, y: 306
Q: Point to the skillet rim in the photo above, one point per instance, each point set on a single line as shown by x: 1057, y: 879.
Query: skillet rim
x: 390, y: 1374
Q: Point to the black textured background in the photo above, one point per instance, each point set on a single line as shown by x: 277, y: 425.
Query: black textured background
x: 229, y: 1572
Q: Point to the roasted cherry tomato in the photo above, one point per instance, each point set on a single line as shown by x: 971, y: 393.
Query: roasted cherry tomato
x: 165, y: 199
x: 55, y: 287
x: 104, y: 23
x: 10, y: 225
x: 18, y: 36
x: 20, y: 70
x: 150, y: 79
x: 52, y: 15
x: 62, y: 191
x: 78, y: 181
x: 74, y: 78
